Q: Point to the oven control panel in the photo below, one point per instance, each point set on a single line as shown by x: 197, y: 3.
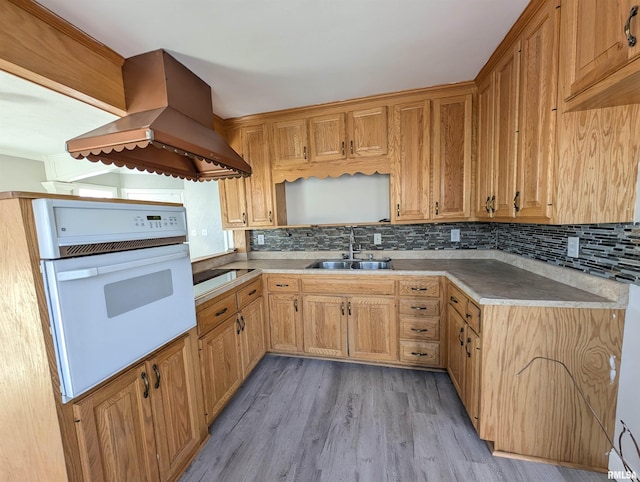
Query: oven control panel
x: 62, y: 222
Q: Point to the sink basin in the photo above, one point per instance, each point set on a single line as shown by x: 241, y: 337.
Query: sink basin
x: 346, y: 264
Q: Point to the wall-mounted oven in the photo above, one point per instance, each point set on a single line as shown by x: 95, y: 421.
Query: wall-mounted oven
x: 118, y: 283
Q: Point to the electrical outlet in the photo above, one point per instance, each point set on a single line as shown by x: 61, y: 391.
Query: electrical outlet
x: 455, y: 235
x: 377, y: 238
x: 194, y: 232
x: 260, y: 239
x: 573, y: 247
x: 204, y: 232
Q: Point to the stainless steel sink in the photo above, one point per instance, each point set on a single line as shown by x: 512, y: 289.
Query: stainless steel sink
x: 356, y: 264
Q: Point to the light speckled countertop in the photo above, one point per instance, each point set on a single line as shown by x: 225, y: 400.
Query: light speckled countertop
x: 486, y: 281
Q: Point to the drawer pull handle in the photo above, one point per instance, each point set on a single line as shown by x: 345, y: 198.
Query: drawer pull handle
x: 252, y: 292
x: 282, y: 285
x: 342, y: 308
x: 466, y: 348
x: 419, y: 330
x: 295, y: 304
x: 239, y: 329
x: 419, y: 308
x: 146, y: 385
x: 631, y: 39
x: 157, y: 372
x: 304, y: 152
x: 460, y: 339
x: 416, y: 353
x: 349, y: 307
x: 419, y: 289
x: 342, y: 145
x: 454, y: 299
x: 468, y: 315
x: 221, y: 312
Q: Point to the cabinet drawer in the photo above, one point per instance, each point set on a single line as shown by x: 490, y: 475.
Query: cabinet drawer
x: 288, y: 284
x: 215, y: 312
x: 474, y: 317
x: 458, y: 300
x: 429, y: 287
x: 423, y: 353
x: 249, y: 293
x: 352, y: 286
x: 419, y: 308
x: 419, y: 328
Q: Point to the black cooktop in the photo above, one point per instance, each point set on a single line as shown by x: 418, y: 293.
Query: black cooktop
x: 206, y: 275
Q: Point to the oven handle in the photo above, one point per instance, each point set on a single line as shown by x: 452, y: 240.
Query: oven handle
x: 91, y: 272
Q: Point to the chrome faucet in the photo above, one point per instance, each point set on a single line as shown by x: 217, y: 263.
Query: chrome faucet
x: 352, y: 241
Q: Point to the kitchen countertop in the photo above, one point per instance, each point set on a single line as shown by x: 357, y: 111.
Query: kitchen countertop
x: 486, y: 281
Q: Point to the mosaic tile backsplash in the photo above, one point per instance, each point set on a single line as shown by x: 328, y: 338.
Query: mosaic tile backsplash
x: 606, y: 250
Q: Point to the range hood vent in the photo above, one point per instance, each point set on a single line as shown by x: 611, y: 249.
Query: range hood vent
x: 168, y: 126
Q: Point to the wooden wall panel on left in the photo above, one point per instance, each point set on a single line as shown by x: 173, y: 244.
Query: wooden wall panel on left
x: 30, y: 442
x: 41, y: 47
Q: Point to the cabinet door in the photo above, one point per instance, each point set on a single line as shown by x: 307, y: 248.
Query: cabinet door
x: 327, y: 137
x: 232, y: 193
x: 507, y: 81
x: 452, y: 157
x: 455, y: 343
x: 115, y: 430
x: 372, y: 328
x: 220, y: 365
x: 258, y: 185
x: 252, y: 335
x: 368, y: 133
x: 410, y: 178
x: 597, y: 38
x: 325, y: 325
x: 485, y: 171
x: 538, y: 96
x: 471, y: 387
x: 233, y: 203
x: 175, y: 409
x: 285, y: 322
x: 290, y: 143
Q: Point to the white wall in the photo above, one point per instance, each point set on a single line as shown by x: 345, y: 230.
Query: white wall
x: 346, y: 199
x: 203, y: 216
x: 628, y: 408
x: 20, y: 174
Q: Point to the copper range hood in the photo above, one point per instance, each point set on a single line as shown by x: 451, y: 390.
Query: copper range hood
x: 168, y: 129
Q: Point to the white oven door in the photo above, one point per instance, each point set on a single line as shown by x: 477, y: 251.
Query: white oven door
x: 108, y: 311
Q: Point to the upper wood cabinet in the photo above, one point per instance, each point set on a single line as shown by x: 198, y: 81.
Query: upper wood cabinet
x: 507, y: 84
x: 484, y: 200
x: 517, y: 126
x: 368, y: 134
x: 537, y: 116
x: 451, y: 145
x: 603, y: 63
x: 410, y: 179
x: 358, y: 133
x: 254, y: 201
x: 290, y: 142
x: 327, y: 135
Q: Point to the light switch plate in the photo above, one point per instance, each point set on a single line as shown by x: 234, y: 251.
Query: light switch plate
x: 194, y: 232
x: 377, y: 238
x: 573, y: 247
x: 260, y: 239
x: 455, y: 235
x: 204, y: 232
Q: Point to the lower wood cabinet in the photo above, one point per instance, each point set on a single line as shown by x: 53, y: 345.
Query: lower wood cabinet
x: 231, y: 343
x: 251, y: 339
x: 325, y: 325
x: 145, y: 424
x: 221, y: 366
x: 463, y: 316
x: 372, y: 328
x: 285, y: 326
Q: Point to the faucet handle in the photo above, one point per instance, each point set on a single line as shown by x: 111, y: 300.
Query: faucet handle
x: 370, y: 256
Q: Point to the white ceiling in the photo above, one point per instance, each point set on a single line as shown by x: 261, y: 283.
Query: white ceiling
x: 260, y: 56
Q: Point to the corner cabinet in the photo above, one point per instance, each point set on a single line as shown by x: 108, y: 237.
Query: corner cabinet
x: 452, y: 138
x: 254, y: 201
x: 143, y: 425
x: 603, y: 64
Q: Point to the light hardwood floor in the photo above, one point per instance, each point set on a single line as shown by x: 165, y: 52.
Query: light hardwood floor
x: 309, y: 420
